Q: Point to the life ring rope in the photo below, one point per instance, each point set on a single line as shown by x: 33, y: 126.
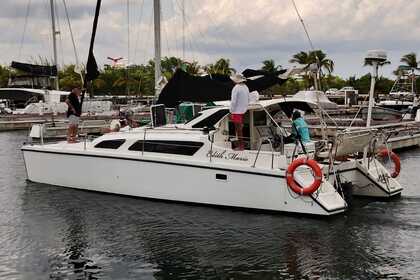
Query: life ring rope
x: 395, y: 159
x: 294, y: 186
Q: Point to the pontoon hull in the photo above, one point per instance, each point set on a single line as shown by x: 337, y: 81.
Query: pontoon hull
x: 373, y: 181
x: 176, y: 181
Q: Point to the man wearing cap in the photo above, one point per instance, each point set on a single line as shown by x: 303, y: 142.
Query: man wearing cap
x: 238, y: 106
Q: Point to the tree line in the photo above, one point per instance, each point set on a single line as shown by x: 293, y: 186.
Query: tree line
x: 138, y: 80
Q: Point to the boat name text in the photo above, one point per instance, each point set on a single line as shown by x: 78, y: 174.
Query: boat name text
x: 225, y: 155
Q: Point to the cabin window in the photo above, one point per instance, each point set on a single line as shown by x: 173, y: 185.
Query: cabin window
x: 186, y: 148
x: 211, y: 120
x: 110, y: 144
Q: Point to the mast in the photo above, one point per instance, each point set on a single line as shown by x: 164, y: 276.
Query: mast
x: 156, y: 17
x: 127, y: 68
x: 54, y: 33
x: 183, y: 28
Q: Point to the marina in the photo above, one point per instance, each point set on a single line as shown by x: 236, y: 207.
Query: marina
x: 51, y: 232
x: 129, y: 152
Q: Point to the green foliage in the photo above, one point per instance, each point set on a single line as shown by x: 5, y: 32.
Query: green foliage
x: 331, y: 81
x: 270, y: 66
x: 139, y: 79
x: 383, y: 85
x: 222, y: 66
x: 317, y: 57
x: 4, y: 76
x: 410, y: 60
x: 68, y: 79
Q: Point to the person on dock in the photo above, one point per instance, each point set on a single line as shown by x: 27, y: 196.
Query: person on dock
x: 238, y: 106
x: 73, y: 113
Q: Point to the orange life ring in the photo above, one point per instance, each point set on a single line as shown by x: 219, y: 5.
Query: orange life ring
x: 291, y: 180
x: 395, y: 158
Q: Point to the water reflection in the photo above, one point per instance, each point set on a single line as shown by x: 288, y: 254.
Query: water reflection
x: 107, y: 235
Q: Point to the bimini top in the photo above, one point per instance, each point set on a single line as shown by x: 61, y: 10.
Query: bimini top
x: 287, y: 105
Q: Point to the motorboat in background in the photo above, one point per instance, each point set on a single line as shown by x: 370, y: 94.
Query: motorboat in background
x: 403, y: 96
x: 345, y: 96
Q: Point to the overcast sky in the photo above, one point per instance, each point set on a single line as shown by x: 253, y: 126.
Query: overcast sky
x: 246, y: 31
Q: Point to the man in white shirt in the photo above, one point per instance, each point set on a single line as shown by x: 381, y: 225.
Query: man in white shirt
x: 238, y: 106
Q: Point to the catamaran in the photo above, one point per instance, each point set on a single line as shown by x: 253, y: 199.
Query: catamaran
x: 194, y: 162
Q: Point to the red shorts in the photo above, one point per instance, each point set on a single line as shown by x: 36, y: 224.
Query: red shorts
x: 237, y: 118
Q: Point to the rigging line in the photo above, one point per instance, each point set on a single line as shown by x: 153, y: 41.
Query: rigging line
x: 183, y: 29
x: 71, y: 34
x: 148, y: 39
x: 165, y: 33
x: 28, y: 8
x: 59, y: 34
x: 177, y: 48
x: 303, y: 25
x: 128, y: 34
x: 49, y: 47
x: 138, y: 29
x: 200, y: 33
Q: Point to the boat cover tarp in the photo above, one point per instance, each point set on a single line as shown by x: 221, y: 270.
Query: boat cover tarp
x: 35, y: 70
x: 185, y: 87
x: 290, y: 106
x: 316, y: 97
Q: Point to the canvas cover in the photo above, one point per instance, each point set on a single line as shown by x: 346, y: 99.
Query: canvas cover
x: 183, y: 87
x: 35, y: 70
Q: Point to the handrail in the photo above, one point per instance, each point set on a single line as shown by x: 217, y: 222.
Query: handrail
x: 278, y: 126
x: 259, y: 149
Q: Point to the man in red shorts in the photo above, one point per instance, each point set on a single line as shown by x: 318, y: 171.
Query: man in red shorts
x: 238, y: 106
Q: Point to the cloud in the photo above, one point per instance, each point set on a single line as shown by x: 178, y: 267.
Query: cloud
x: 245, y: 31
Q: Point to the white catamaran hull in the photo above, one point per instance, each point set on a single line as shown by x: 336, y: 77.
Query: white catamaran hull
x: 175, y: 180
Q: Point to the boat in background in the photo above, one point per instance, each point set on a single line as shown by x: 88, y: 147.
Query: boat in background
x: 345, y: 96
x: 403, y: 94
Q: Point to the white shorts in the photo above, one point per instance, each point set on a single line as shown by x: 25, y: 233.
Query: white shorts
x: 74, y: 120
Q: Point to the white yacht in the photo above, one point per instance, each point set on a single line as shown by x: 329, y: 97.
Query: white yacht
x: 195, y: 162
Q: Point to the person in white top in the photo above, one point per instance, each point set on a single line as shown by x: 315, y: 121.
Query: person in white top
x: 238, y: 106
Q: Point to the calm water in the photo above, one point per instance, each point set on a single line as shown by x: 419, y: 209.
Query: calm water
x: 49, y: 232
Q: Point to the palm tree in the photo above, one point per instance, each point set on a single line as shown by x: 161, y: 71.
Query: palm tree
x: 317, y: 57
x: 222, y: 66
x: 410, y: 60
x: 192, y: 68
x: 411, y: 64
x: 270, y: 66
x: 320, y: 58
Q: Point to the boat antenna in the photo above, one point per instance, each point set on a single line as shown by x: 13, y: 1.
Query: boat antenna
x: 310, y: 44
x: 303, y: 25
